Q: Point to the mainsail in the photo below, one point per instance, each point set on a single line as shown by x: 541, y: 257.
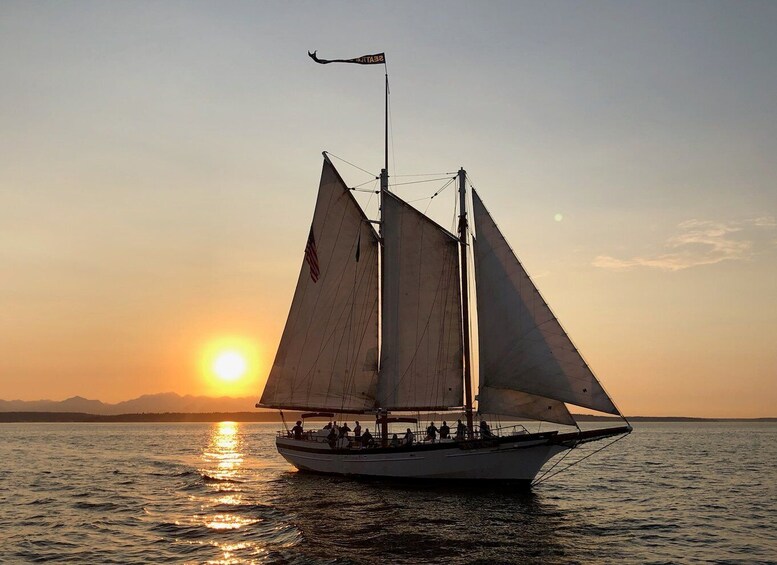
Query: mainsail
x: 421, y: 353
x: 327, y: 357
x: 522, y: 346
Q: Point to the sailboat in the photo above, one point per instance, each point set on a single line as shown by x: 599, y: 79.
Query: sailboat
x: 379, y: 326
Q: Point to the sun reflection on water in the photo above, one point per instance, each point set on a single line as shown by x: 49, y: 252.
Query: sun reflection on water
x: 228, y: 504
x: 224, y: 451
x: 223, y: 459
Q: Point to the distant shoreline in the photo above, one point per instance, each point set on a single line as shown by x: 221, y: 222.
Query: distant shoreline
x: 269, y: 417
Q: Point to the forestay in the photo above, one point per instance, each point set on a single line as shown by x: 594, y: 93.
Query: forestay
x: 522, y: 346
x: 327, y: 357
x: 421, y: 355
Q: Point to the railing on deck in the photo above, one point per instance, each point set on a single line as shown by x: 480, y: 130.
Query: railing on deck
x: 420, y: 437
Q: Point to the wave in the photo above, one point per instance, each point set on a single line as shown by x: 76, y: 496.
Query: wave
x: 211, y: 479
x: 96, y: 506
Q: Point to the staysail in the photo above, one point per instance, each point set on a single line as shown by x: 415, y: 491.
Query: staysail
x: 522, y: 346
x: 421, y: 353
x: 327, y: 357
x: 506, y: 402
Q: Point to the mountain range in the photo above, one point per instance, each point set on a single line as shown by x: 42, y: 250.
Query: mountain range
x: 148, y: 403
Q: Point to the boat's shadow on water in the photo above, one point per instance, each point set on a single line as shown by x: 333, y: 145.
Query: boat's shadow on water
x: 378, y: 520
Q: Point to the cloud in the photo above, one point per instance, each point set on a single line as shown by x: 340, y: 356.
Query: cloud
x: 699, y: 242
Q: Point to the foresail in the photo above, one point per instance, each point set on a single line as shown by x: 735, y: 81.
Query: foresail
x: 421, y: 354
x: 506, y: 402
x: 522, y: 346
x: 327, y: 357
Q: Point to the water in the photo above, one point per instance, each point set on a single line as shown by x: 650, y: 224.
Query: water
x: 220, y: 493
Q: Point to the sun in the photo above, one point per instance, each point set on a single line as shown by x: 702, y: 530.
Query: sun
x: 229, y: 366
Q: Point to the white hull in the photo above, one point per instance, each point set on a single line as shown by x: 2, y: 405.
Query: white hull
x: 518, y: 461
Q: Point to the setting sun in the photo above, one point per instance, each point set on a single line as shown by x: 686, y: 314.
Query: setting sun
x: 229, y: 366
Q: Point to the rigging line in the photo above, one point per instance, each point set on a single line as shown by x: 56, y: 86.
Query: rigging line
x: 426, y: 174
x: 372, y: 195
x: 349, y: 163
x: 443, y: 187
x: 365, y: 182
x: 391, y: 129
x: 455, y: 209
x: 446, y: 185
x: 578, y: 461
x: 420, y: 181
x: 536, y: 481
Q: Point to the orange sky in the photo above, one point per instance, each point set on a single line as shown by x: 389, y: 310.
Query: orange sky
x: 158, y: 173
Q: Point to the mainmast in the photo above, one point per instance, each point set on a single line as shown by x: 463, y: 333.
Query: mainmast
x: 382, y: 414
x: 465, y: 298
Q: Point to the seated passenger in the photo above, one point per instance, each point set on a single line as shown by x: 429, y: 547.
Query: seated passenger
x: 445, y: 431
x: 409, y: 437
x: 485, y: 431
x: 297, y: 430
x: 367, y: 440
x: 394, y: 441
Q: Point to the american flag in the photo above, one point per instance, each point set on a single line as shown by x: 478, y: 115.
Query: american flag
x: 311, y: 256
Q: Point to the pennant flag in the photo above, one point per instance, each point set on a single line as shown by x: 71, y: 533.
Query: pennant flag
x: 376, y: 59
x: 311, y: 257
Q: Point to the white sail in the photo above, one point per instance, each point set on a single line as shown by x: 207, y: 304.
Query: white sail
x: 522, y: 346
x: 505, y: 402
x: 421, y: 354
x: 327, y: 357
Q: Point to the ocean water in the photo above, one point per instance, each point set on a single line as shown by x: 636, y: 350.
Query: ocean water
x: 220, y: 493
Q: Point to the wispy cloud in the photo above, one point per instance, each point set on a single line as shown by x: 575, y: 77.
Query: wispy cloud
x: 699, y: 242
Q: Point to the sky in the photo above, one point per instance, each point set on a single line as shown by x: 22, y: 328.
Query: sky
x: 159, y: 163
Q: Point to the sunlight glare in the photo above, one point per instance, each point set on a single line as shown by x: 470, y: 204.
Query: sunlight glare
x: 229, y: 366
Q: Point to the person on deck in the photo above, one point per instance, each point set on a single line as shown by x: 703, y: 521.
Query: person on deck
x: 461, y: 431
x: 344, y: 429
x: 394, y: 441
x: 409, y: 437
x: 445, y: 431
x: 297, y: 430
x: 332, y: 437
x: 328, y: 426
x: 357, y: 430
x: 367, y: 440
x: 485, y: 431
x: 431, y: 432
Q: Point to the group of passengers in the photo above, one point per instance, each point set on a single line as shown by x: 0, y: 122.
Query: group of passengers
x: 335, y: 433
x: 461, y: 431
